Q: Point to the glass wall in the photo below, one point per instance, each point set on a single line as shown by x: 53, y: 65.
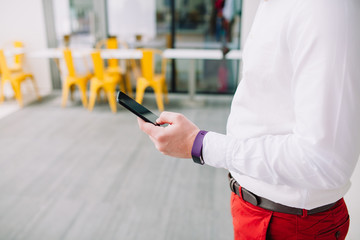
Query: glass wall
x: 81, y: 17
x: 80, y: 23
x: 203, y: 24
x: 181, y: 24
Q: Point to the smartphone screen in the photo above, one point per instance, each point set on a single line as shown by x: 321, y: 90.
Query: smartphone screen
x: 136, y: 108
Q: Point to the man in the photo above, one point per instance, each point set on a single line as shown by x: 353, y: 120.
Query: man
x: 292, y: 135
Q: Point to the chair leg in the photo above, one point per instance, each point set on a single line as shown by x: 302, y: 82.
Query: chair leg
x: 82, y: 87
x: 128, y: 84
x: 159, y: 97
x: 121, y: 83
x: 65, y: 94
x: 111, y: 99
x: 165, y: 91
x: 35, y: 87
x: 72, y: 90
x: 140, y: 89
x: 98, y: 95
x: 2, y: 91
x: 93, y: 94
x: 17, y: 90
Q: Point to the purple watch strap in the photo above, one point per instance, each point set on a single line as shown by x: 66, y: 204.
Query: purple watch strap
x: 196, y: 151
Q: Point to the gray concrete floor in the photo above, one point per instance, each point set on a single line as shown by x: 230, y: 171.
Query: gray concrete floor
x: 73, y: 174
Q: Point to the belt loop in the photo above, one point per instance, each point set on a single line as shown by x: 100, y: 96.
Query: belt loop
x: 232, y: 181
x: 304, y: 213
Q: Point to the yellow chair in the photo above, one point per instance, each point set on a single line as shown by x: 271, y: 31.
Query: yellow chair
x: 18, y: 58
x: 15, y: 79
x: 113, y: 66
x: 73, y: 79
x: 102, y: 80
x: 151, y: 79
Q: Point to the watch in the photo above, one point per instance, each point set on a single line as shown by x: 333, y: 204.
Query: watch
x: 196, y: 151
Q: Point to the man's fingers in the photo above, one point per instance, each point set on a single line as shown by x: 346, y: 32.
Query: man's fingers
x: 168, y: 117
x: 149, y: 128
x: 145, y: 126
x: 175, y: 140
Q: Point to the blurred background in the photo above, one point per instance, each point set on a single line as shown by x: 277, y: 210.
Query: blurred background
x: 73, y: 164
x: 157, y: 24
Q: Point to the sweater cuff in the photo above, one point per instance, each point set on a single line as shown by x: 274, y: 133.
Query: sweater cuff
x: 215, y: 150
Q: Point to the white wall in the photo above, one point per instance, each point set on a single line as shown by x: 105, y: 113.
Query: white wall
x: 62, y: 18
x: 24, y: 20
x: 127, y: 18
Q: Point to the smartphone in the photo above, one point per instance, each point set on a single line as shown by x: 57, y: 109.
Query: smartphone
x: 136, y: 108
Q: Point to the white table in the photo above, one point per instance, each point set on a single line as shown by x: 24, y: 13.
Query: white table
x: 185, y: 54
x: 234, y: 55
x: 57, y: 53
x: 196, y: 54
x: 13, y: 51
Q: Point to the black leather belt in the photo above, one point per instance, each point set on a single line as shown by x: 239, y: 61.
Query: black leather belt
x: 270, y: 205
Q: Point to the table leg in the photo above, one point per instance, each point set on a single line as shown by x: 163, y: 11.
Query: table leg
x: 192, y: 79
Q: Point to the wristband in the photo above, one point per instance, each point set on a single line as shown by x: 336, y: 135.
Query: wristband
x: 196, y: 151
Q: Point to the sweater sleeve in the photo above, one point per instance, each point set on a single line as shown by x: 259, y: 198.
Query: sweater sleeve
x: 323, y: 148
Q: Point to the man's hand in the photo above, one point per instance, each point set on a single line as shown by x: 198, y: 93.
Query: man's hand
x: 176, y: 139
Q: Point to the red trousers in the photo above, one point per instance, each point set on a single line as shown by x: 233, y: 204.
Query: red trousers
x: 252, y: 222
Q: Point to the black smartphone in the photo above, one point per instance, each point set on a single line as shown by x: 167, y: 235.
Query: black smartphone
x: 136, y: 108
